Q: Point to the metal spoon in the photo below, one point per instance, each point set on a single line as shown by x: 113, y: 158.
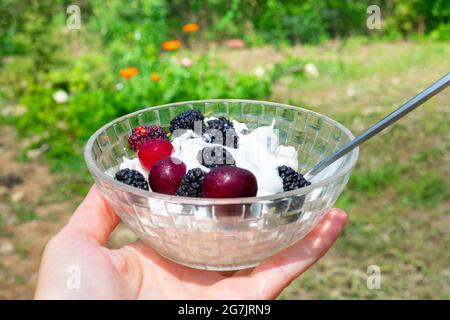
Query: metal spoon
x: 404, y: 109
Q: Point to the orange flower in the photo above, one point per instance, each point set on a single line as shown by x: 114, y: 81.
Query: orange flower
x: 128, y: 73
x: 171, y: 45
x: 191, y: 27
x: 154, y: 76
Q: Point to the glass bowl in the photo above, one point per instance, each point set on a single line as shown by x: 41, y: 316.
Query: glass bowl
x: 200, y: 232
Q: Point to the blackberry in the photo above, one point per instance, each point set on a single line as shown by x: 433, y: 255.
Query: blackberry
x: 215, y: 156
x: 187, y: 120
x: 191, y: 184
x: 132, y: 178
x: 291, y: 179
x: 226, y: 127
x: 140, y: 134
x: 157, y: 132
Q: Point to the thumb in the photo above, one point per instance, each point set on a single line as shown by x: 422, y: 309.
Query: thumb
x: 93, y: 219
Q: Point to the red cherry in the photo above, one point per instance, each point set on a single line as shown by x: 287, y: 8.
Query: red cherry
x: 153, y: 150
x: 229, y: 182
x: 166, y: 175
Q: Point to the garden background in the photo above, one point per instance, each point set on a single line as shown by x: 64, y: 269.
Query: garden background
x: 57, y: 85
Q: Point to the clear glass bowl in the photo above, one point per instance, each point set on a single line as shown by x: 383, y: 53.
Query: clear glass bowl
x: 199, y: 232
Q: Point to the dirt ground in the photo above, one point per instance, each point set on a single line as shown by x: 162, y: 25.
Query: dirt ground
x: 22, y: 236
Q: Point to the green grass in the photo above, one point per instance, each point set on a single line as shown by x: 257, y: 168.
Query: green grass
x: 23, y: 213
x: 398, y: 196
x: 3, y: 233
x: 19, y: 280
x: 21, y: 249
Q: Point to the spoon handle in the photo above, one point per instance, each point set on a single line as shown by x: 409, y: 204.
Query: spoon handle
x: 404, y: 109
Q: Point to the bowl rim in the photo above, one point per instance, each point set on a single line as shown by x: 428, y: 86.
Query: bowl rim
x: 97, y: 172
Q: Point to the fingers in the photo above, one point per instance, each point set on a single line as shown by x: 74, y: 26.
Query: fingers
x: 274, y: 274
x: 93, y: 219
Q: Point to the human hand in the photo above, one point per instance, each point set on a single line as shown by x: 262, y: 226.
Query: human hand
x: 138, y: 272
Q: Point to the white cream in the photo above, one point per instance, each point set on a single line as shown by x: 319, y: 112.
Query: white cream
x: 240, y: 127
x: 186, y: 147
x: 133, y: 164
x: 289, y: 155
x: 256, y: 153
x: 209, y: 119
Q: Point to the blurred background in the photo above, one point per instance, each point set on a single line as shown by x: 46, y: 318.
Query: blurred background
x: 66, y: 71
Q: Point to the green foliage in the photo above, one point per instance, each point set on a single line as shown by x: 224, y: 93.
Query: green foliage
x: 86, y: 66
x: 441, y: 33
x: 292, y: 22
x: 98, y: 95
x: 28, y: 27
x: 309, y: 21
x: 407, y: 17
x: 130, y: 29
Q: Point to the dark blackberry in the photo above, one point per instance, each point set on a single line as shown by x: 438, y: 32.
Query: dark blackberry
x: 220, y: 123
x: 226, y: 127
x: 215, y: 156
x: 140, y: 134
x: 191, y: 185
x: 157, y: 132
x: 187, y: 120
x: 291, y: 179
x: 132, y: 178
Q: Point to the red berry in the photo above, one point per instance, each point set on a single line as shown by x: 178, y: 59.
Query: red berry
x: 140, y: 134
x: 153, y: 150
x: 166, y: 175
x: 229, y: 182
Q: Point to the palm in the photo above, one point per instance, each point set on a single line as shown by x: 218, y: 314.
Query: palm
x: 137, y: 272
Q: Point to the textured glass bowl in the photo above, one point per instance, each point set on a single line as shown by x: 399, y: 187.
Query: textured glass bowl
x: 224, y: 234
